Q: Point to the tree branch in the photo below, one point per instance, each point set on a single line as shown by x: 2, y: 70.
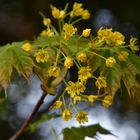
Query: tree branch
x: 29, y: 119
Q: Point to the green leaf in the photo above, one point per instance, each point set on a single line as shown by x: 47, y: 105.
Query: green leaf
x: 83, y: 131
x: 12, y: 56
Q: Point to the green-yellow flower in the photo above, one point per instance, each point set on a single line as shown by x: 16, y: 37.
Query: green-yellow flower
x: 57, y: 104
x: 110, y: 61
x: 46, y: 21
x: 86, y: 32
x: 69, y: 31
x: 107, y: 101
x: 81, y: 117
x: 68, y: 62
x: 67, y: 115
x: 75, y: 88
x: 56, y: 13
x: 77, y: 99
x: 82, y: 57
x: 84, y: 73
x: 92, y: 98
x: 27, y: 47
x: 101, y: 82
x: 48, y: 33
x: 53, y: 71
x: 123, y: 55
x: 85, y: 14
x: 41, y: 56
x: 133, y: 44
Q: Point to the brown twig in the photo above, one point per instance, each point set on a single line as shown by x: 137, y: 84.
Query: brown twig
x: 30, y: 118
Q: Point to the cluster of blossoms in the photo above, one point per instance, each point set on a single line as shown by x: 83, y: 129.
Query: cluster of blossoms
x: 61, y: 56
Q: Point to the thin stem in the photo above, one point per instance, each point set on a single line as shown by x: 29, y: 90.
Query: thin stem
x: 30, y: 118
x: 99, y: 55
x: 74, y: 22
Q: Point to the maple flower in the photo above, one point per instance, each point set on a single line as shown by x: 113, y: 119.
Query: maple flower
x: 67, y: 115
x: 48, y: 33
x: 117, y: 39
x: 107, y: 101
x: 46, y: 21
x: 82, y: 57
x: 57, y: 104
x: 77, y: 99
x: 85, y: 14
x: 75, y: 88
x: 101, y: 82
x: 77, y: 9
x: 81, y: 117
x: 56, y: 13
x: 92, y: 98
x: 27, y: 47
x: 104, y: 35
x: 86, y: 32
x: 41, y: 56
x: 133, y: 44
x: 84, y: 73
x: 53, y: 71
x: 123, y: 55
x: 68, y: 62
x: 69, y: 31
x: 110, y: 61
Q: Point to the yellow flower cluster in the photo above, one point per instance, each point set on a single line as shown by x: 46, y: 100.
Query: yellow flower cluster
x: 56, y: 13
x: 75, y: 88
x: 110, y: 38
x: 110, y: 61
x: 77, y: 99
x: 46, y: 21
x: 41, y: 56
x: 69, y: 31
x: 101, y: 82
x: 79, y: 11
x: 107, y: 101
x: 84, y: 73
x: 81, y: 117
x: 92, y: 98
x: 57, y: 104
x: 86, y: 32
x: 123, y: 55
x: 53, y: 71
x: 27, y: 47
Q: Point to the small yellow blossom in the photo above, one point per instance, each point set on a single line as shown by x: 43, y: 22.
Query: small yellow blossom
x: 82, y: 57
x: 57, y: 104
x: 53, y: 71
x: 77, y: 9
x: 86, y: 32
x: 107, y: 101
x: 27, y: 47
x: 104, y: 35
x: 68, y: 62
x: 123, y: 55
x: 66, y: 115
x: 75, y: 88
x: 85, y: 14
x: 77, y: 99
x: 48, y: 33
x: 117, y: 39
x: 101, y: 82
x: 92, y: 98
x: 69, y: 31
x: 133, y: 44
x: 84, y: 73
x: 56, y: 13
x: 46, y: 21
x: 81, y: 117
x: 110, y: 61
x: 41, y: 56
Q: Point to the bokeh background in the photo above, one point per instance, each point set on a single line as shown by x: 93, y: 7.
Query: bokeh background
x: 20, y: 20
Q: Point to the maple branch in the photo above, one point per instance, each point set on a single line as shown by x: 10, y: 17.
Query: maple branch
x: 30, y: 118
